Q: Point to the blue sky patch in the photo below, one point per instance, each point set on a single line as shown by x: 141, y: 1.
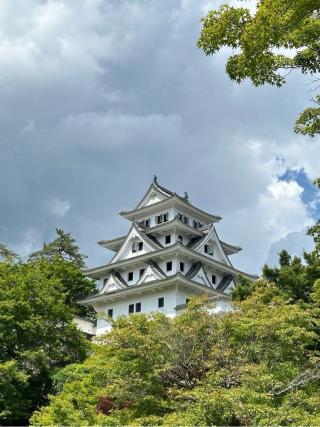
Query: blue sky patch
x: 310, y: 195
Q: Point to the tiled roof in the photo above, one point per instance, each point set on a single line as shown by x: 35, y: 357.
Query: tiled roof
x: 193, y: 270
x: 225, y: 282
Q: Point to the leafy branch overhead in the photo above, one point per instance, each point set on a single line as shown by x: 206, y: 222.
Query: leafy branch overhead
x: 281, y: 36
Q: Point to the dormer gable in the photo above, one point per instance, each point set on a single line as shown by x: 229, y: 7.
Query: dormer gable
x: 154, y: 194
x: 210, y: 245
x: 136, y: 243
x: 198, y: 274
x: 113, y: 283
x: 152, y: 273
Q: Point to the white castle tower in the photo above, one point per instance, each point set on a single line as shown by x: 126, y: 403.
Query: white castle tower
x: 171, y: 252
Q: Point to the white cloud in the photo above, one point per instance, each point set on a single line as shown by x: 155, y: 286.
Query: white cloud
x: 58, y: 207
x: 98, y: 95
x: 278, y: 212
x: 295, y: 243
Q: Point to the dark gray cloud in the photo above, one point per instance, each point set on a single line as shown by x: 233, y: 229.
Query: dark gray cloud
x: 96, y: 96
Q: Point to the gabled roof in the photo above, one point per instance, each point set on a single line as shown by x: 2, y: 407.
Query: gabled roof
x: 152, y: 190
x: 135, y: 232
x: 225, y: 282
x: 152, y: 272
x: 210, y: 234
x: 173, y: 201
x: 114, y: 282
x: 176, y: 279
x: 230, y: 249
x: 197, y: 269
x: 177, y: 248
x: 176, y: 224
x: 163, y: 195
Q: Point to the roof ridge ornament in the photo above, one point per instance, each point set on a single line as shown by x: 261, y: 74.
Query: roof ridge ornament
x: 155, y: 179
x: 186, y: 197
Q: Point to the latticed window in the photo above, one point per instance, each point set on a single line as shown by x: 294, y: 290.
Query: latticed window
x: 208, y: 249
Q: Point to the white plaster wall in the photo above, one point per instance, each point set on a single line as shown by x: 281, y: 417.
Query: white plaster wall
x: 86, y: 326
x: 217, y: 254
x: 149, y: 303
x: 182, y: 295
x: 157, y: 197
x: 127, y: 253
x: 175, y: 266
x: 153, y: 216
x: 221, y: 306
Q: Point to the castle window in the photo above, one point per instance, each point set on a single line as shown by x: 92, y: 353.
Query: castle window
x: 142, y: 271
x: 208, y: 249
x: 168, y: 239
x: 213, y: 279
x: 162, y: 218
x: 110, y: 313
x: 138, y: 307
x: 130, y: 276
x: 197, y: 224
x: 137, y: 246
x: 181, y: 266
x: 180, y: 239
x: 169, y: 265
x: 145, y: 223
x: 161, y: 302
x: 131, y: 308
x: 183, y: 218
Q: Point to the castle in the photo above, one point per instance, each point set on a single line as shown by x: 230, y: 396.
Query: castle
x: 171, y: 252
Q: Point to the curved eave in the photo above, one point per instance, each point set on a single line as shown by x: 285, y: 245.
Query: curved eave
x: 113, y: 244
x: 230, y: 249
x: 174, y: 224
x: 177, y: 279
x: 170, y: 202
x: 174, y: 250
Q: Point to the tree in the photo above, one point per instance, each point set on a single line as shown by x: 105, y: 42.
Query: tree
x: 254, y: 366
x: 63, y: 246
x: 278, y: 37
x: 37, y: 336
x: 7, y: 254
x: 63, y: 260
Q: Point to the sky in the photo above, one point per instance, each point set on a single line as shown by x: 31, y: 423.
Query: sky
x: 97, y: 96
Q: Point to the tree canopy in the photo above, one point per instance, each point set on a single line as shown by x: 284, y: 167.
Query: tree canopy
x: 37, y: 335
x: 268, y: 43
x: 254, y: 366
x: 37, y: 332
x: 65, y: 262
x: 63, y: 246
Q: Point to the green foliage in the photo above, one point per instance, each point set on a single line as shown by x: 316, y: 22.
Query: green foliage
x: 244, y: 288
x: 64, y: 246
x: 65, y: 264
x: 37, y: 335
x: 261, y: 40
x: 13, y: 390
x: 7, y: 255
x: 252, y: 366
x: 308, y: 122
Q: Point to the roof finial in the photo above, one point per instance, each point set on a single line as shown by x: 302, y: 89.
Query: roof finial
x: 186, y: 196
x: 155, y: 179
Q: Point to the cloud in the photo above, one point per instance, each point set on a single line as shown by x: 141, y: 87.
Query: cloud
x: 97, y: 96
x: 278, y: 211
x: 295, y: 243
x: 58, y: 207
